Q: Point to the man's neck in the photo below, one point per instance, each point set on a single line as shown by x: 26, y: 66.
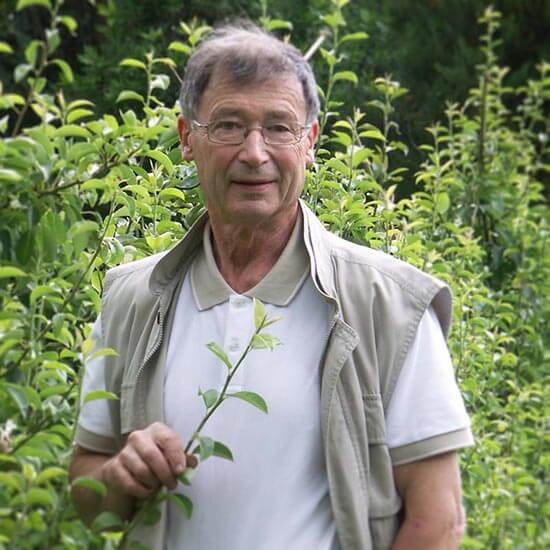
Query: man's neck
x: 246, y: 253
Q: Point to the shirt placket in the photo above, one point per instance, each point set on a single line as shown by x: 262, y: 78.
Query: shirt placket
x: 237, y: 334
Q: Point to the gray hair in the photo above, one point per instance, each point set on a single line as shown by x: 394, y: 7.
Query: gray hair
x: 244, y: 53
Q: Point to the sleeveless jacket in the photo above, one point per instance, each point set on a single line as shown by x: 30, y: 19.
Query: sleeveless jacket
x: 377, y: 302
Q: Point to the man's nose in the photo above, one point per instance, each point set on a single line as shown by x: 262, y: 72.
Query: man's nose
x: 253, y: 149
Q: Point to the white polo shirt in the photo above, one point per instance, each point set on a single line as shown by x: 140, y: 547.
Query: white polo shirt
x: 275, y: 494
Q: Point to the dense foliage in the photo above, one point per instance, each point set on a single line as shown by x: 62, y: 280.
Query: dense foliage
x: 82, y: 192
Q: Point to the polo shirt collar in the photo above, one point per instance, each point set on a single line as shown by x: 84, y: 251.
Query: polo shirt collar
x: 278, y: 287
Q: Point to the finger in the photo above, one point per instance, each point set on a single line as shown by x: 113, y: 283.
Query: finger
x: 170, y: 444
x: 118, y: 478
x: 138, y: 469
x: 151, y: 454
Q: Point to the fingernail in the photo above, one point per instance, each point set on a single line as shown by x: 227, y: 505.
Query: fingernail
x: 179, y: 468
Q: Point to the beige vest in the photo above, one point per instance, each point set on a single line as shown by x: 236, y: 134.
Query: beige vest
x: 377, y: 303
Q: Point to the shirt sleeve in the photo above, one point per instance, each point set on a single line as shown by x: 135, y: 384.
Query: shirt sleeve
x: 426, y: 414
x: 95, y: 431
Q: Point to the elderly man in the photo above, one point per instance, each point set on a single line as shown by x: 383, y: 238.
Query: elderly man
x: 359, y: 448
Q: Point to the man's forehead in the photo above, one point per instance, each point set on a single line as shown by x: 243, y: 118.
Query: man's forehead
x: 276, y: 95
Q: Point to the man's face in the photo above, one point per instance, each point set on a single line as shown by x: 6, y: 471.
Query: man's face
x: 252, y: 182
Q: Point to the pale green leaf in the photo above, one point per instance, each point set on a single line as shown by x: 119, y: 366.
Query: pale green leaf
x: 5, y: 47
x: 172, y: 193
x: 210, y: 397
x: 206, y: 447
x: 259, y: 313
x: 252, y: 398
x: 99, y: 394
x: 65, y: 69
x: 91, y: 483
x: 77, y: 114
x: 106, y: 521
x: 354, y: 36
x: 40, y: 497
x: 130, y: 62
x: 163, y: 159
x: 180, y: 47
x: 9, y: 271
x: 182, y: 502
x: 22, y: 4
x: 69, y: 22
x: 126, y: 95
x: 346, y: 75
x: 216, y: 350
x: 50, y: 473
x: 71, y: 130
x: 442, y: 202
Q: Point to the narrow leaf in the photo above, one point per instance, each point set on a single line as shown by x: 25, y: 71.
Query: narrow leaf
x: 130, y: 95
x: 106, y: 521
x: 129, y: 62
x: 9, y: 271
x: 91, y: 483
x: 99, y: 394
x: 252, y: 398
x: 206, y: 447
x: 65, y: 69
x: 162, y: 159
x: 22, y: 4
x: 216, y: 350
x: 183, y: 503
x: 222, y: 451
x: 5, y: 48
x: 259, y: 313
x: 210, y: 397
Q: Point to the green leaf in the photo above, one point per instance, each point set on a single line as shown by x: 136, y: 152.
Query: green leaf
x: 265, y: 341
x: 65, y: 69
x: 99, y: 394
x: 442, y: 202
x: 216, y: 350
x: 69, y: 22
x: 130, y: 62
x: 91, y: 483
x: 5, y: 47
x: 354, y: 36
x: 31, y: 51
x: 9, y: 271
x: 22, y: 4
x: 163, y: 159
x: 182, y: 502
x: 187, y: 477
x: 6, y: 174
x: 172, y: 193
x: 21, y: 71
x: 180, y: 47
x: 252, y: 398
x: 106, y: 521
x: 19, y: 396
x: 71, y: 130
x: 52, y: 40
x: 346, y: 75
x: 222, y: 451
x: 77, y: 114
x: 40, y: 497
x: 206, y: 447
x: 126, y: 95
x: 210, y: 397
x: 259, y: 313
x: 50, y: 473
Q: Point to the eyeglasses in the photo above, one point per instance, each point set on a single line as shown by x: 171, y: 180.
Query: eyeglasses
x: 231, y: 132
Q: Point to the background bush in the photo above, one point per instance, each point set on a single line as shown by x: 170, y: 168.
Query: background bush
x: 91, y: 177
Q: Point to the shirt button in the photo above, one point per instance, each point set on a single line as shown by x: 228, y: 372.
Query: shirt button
x: 234, y: 345
x: 239, y: 302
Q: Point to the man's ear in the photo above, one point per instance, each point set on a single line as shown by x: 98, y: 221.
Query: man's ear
x: 184, y: 131
x: 311, y: 140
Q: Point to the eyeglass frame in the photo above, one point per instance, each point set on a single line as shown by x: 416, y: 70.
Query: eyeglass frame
x: 247, y: 129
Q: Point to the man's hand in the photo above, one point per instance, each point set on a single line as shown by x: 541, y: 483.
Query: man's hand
x: 151, y: 457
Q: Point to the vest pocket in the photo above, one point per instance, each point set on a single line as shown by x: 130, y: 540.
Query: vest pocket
x: 384, y: 500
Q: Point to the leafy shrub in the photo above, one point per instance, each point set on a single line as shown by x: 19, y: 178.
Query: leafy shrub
x: 82, y: 193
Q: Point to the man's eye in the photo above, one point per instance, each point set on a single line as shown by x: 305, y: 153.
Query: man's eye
x: 279, y: 128
x: 227, y: 125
